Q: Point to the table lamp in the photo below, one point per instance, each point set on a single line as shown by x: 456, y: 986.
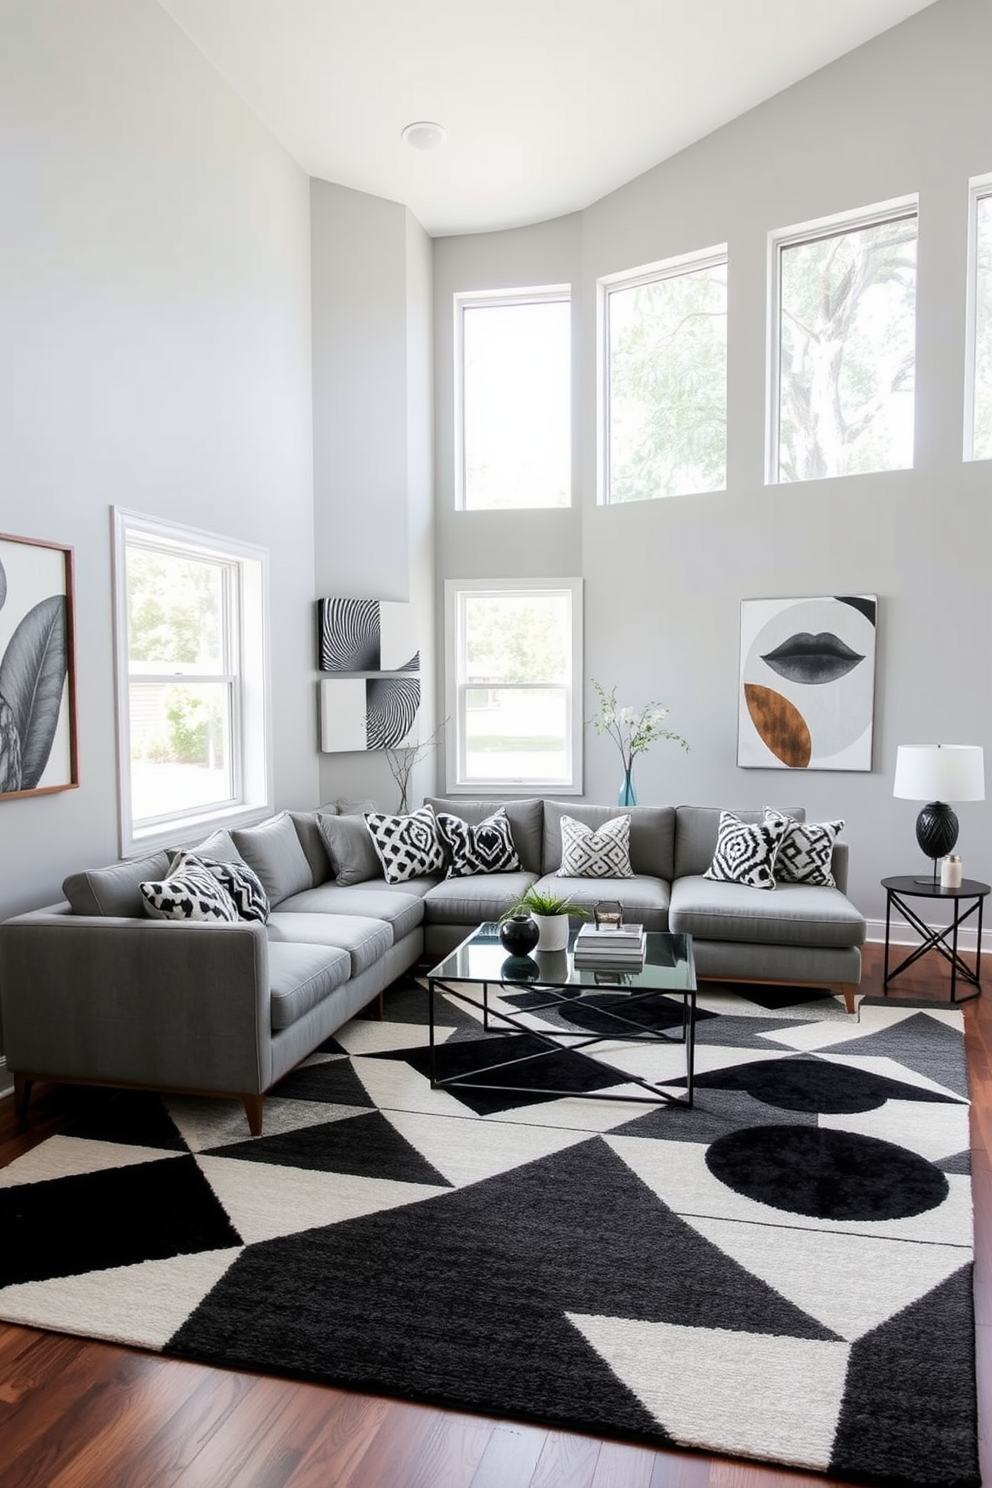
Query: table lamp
x: 937, y: 774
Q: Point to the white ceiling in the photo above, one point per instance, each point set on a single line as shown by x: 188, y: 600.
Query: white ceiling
x: 548, y: 104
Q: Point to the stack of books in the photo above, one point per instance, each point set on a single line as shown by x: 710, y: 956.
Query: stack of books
x: 620, y: 946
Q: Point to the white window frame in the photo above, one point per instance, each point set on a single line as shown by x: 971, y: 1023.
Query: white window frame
x: 248, y: 676
x: 786, y: 237
x: 979, y: 189
x: 455, y: 590
x: 608, y: 284
x: 474, y: 300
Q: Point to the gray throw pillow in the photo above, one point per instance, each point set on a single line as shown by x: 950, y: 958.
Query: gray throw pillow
x: 350, y: 848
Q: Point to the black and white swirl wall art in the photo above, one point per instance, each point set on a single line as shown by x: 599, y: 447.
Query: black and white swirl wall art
x: 807, y: 683
x: 362, y: 713
x: 367, y: 635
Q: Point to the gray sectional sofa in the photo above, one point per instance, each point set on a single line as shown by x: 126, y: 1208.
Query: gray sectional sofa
x: 93, y: 990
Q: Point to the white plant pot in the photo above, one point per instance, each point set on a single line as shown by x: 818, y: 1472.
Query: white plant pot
x: 554, y: 932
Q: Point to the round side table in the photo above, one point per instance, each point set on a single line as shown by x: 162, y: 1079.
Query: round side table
x: 965, y: 902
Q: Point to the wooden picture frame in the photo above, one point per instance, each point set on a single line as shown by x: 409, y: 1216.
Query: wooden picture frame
x: 38, y: 753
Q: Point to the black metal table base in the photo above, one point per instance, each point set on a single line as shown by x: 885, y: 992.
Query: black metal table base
x: 555, y: 1041
x: 934, y: 938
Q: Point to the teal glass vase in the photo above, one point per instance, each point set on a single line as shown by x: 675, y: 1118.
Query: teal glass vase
x: 628, y: 795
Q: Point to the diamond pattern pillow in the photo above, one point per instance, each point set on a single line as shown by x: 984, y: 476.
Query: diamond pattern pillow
x: 806, y: 850
x: 485, y: 848
x: 241, y: 882
x: 746, y: 851
x: 595, y: 852
x: 191, y: 893
x: 407, y: 846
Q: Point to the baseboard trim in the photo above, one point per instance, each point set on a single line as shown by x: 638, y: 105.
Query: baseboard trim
x: 902, y: 934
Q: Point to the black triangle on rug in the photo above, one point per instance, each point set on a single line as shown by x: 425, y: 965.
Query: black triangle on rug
x: 780, y: 1273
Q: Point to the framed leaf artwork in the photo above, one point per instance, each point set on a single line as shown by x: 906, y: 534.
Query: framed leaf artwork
x: 37, y: 674
x: 807, y: 683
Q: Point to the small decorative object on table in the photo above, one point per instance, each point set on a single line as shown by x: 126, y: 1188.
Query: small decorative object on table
x: 632, y: 730
x: 519, y: 933
x: 950, y: 872
x: 608, y: 914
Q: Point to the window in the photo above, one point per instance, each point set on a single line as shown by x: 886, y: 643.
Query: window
x: 513, y: 676
x: 978, y: 437
x: 664, y: 380
x: 190, y: 680
x: 845, y: 358
x: 513, y: 384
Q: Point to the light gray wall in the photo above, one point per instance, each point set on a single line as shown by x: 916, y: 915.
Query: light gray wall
x: 372, y: 350
x: 663, y: 581
x: 155, y: 354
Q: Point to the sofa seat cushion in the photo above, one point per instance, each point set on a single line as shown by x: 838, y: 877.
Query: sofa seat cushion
x: 364, y: 939
x: 374, y: 901
x: 795, y: 914
x: 470, y: 901
x: 301, y: 976
x: 645, y: 899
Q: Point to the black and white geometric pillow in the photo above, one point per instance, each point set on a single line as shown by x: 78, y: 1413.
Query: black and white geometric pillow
x: 486, y: 848
x: 407, y: 846
x: 192, y: 893
x: 746, y: 851
x: 600, y: 852
x: 241, y: 882
x: 806, y: 850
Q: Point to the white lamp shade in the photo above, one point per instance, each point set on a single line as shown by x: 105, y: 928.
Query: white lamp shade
x: 940, y: 772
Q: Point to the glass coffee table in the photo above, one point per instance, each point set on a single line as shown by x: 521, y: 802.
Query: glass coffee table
x: 624, y: 1003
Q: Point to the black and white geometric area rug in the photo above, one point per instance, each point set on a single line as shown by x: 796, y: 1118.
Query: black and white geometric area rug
x: 782, y: 1273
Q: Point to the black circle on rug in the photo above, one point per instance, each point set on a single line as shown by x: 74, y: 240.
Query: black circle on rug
x: 826, y: 1174
x: 815, y: 1085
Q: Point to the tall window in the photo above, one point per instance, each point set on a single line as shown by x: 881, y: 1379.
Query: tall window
x: 846, y: 345
x: 513, y: 677
x: 513, y: 382
x: 190, y: 680
x: 978, y: 440
x: 664, y: 382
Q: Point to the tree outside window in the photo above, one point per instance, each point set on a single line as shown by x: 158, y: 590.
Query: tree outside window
x: 847, y: 350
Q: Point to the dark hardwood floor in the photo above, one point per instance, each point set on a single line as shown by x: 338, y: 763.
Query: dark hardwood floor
x: 80, y: 1414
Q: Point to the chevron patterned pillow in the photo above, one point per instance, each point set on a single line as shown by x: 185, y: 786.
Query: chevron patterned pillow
x: 746, y: 851
x: 407, y: 845
x: 486, y: 848
x: 595, y: 852
x: 806, y: 850
x: 241, y: 882
x: 191, y: 893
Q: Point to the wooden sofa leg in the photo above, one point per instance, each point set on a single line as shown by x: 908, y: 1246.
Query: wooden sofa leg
x: 254, y: 1106
x: 849, y: 990
x: 22, y: 1098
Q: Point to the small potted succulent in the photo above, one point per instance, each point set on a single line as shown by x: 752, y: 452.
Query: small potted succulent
x: 551, y: 915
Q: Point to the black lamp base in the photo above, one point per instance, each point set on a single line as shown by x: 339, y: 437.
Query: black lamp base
x: 936, y: 832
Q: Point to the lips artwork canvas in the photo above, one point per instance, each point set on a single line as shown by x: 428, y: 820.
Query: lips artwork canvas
x: 807, y: 682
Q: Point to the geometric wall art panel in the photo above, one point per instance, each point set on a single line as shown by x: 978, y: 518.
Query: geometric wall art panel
x: 367, y: 635
x: 807, y: 683
x: 361, y: 713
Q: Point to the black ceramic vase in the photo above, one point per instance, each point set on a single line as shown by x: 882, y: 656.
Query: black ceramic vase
x: 519, y: 934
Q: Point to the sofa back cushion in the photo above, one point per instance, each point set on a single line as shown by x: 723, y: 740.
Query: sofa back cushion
x: 697, y: 829
x: 312, y: 844
x: 114, y: 890
x: 652, y: 834
x: 525, y: 817
x: 274, y: 850
x: 349, y: 846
